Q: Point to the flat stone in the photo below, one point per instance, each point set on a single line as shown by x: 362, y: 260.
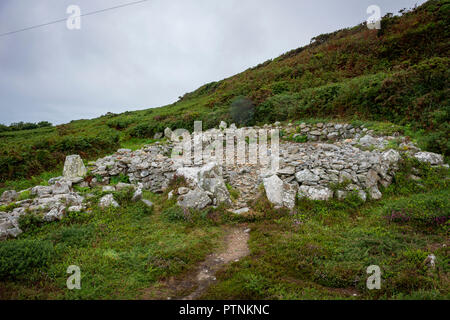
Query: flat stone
x: 61, y: 187
x: 240, y: 211
x: 316, y: 193
x: 429, y: 157
x: 9, y: 196
x: 183, y: 190
x: 290, y: 170
x: 148, y: 203
x: 108, y: 189
x: 306, y: 176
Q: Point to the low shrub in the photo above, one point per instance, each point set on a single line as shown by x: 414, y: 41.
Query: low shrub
x: 30, y: 222
x: 74, y: 236
x: 428, y: 210
x: 120, y: 178
x: 18, y: 257
x: 124, y: 196
x: 176, y: 213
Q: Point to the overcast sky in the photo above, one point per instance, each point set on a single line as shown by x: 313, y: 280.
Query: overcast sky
x: 149, y: 54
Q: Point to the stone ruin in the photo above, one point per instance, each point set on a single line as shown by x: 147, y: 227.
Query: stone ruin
x: 352, y: 158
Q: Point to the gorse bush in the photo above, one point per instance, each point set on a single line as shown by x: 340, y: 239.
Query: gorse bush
x: 18, y: 257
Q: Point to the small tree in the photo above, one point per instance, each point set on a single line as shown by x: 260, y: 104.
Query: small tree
x: 242, y: 111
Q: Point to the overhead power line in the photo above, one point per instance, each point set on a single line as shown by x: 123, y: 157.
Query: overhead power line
x: 65, y: 19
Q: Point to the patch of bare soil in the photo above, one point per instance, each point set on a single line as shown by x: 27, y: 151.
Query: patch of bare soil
x: 196, y: 283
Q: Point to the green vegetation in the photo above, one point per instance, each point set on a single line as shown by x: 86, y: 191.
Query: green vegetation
x: 321, y: 250
x: 17, y: 258
x: 24, y: 126
x: 398, y: 74
x: 122, y: 253
x: 427, y: 210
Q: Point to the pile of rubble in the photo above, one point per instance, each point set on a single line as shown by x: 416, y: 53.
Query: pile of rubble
x: 337, y: 160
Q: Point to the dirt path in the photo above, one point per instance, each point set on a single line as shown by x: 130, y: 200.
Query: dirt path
x: 235, y: 247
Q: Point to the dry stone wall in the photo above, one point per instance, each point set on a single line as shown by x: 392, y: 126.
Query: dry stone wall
x: 337, y: 159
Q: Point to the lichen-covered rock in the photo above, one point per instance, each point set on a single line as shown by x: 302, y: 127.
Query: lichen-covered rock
x: 315, y: 193
x: 280, y: 193
x: 55, y: 214
x: 137, y: 196
x: 61, y: 187
x: 41, y: 191
x: 108, y: 189
x: 148, y: 203
x: 183, y: 190
x: 9, y: 196
x: 210, y: 179
x: 195, y: 199
x: 75, y: 209
x: 391, y: 156
x: 168, y: 133
x: 8, y: 227
x: 375, y: 193
x: 122, y: 186
x: 306, y: 176
x: 429, y: 157
x: 108, y: 201
x: 74, y: 167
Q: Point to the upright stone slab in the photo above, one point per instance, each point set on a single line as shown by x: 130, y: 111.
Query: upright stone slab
x: 280, y: 193
x: 74, y: 167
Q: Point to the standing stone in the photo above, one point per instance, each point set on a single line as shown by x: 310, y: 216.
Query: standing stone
x: 168, y: 133
x: 280, y: 193
x: 210, y: 179
x: 74, y: 167
x: 274, y: 186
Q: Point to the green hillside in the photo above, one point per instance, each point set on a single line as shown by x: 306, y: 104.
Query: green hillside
x: 399, y: 74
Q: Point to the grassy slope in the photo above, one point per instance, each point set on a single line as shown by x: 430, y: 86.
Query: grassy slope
x: 398, y: 74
